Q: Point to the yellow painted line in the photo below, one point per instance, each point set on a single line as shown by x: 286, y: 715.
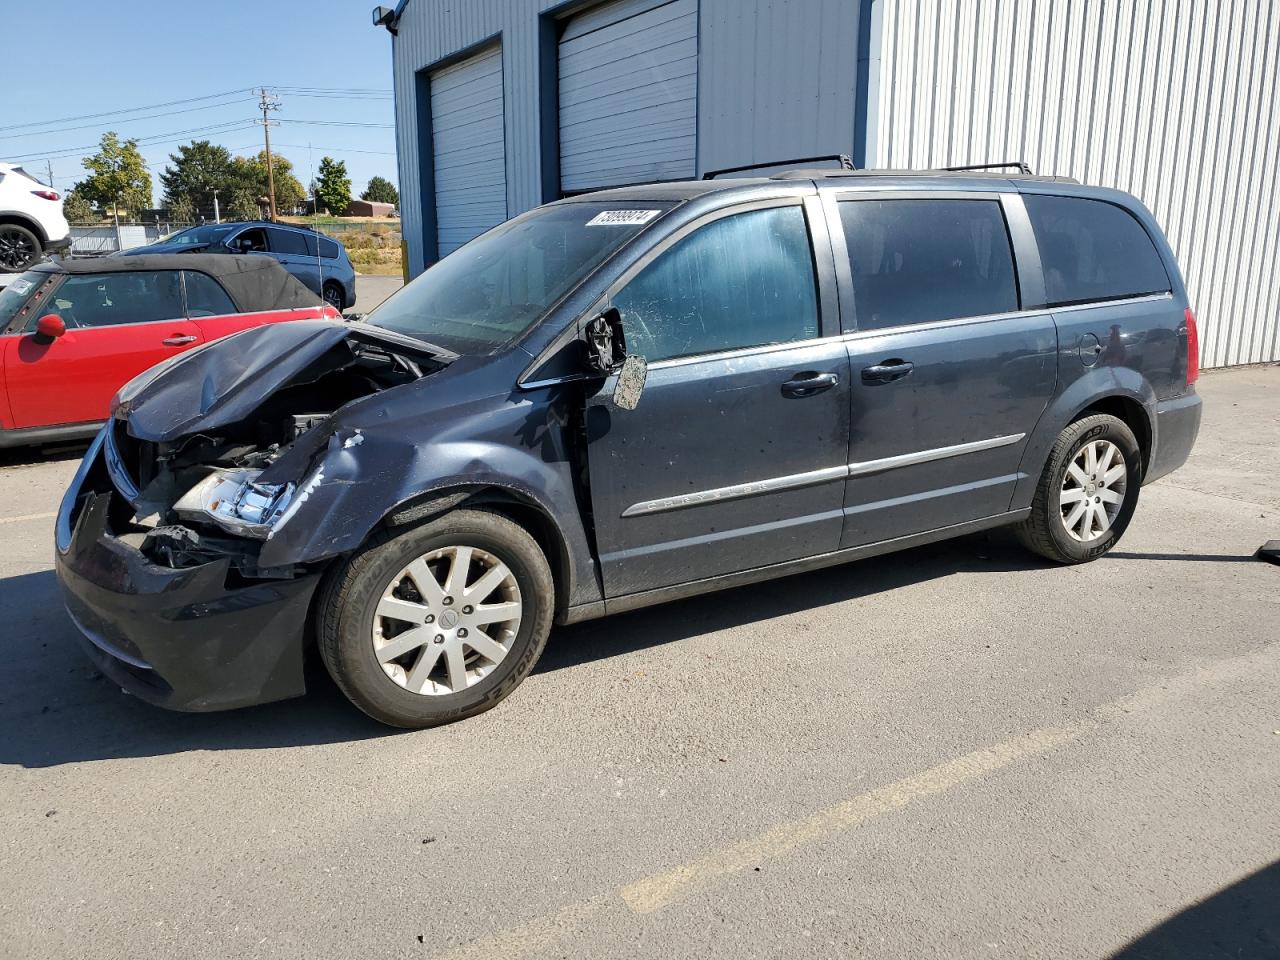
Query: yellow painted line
x: 655, y: 892
x: 660, y: 890
x: 28, y: 516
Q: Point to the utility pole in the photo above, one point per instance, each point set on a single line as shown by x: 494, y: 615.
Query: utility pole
x: 269, y: 102
x: 216, y: 218
x: 48, y: 165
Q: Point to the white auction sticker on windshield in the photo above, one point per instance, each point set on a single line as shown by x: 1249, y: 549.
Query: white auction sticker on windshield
x: 621, y: 218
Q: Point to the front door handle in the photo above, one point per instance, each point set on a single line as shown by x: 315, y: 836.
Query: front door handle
x: 179, y: 340
x: 808, y: 384
x: 887, y: 372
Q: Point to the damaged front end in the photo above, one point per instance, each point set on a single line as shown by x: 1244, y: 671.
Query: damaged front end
x: 165, y: 537
x: 215, y: 457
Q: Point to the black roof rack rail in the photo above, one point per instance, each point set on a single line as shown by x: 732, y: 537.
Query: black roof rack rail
x: 1018, y: 165
x: 846, y: 163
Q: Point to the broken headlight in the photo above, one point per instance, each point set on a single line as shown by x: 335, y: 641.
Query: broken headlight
x: 236, y: 502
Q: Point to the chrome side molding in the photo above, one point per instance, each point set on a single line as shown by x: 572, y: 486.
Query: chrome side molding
x: 811, y: 478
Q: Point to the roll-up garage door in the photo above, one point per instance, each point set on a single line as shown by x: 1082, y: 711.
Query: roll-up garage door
x: 628, y: 94
x: 469, y: 149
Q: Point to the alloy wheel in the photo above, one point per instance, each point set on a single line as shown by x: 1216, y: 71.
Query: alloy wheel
x: 16, y: 250
x: 1093, y: 490
x: 447, y: 620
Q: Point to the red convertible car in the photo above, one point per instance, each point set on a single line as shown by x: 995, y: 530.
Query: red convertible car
x: 73, y: 333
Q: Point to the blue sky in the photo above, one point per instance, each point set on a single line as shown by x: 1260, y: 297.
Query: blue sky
x: 100, y: 56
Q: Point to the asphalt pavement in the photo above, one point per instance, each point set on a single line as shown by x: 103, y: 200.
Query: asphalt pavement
x: 958, y: 751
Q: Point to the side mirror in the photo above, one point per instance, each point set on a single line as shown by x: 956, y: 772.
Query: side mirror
x: 606, y: 349
x: 606, y: 345
x: 50, y: 327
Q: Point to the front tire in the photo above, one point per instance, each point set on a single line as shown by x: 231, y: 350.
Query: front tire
x: 438, y: 623
x: 1087, y: 493
x: 19, y: 248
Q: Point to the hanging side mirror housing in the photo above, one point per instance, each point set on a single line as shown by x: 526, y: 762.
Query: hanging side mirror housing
x: 605, y: 348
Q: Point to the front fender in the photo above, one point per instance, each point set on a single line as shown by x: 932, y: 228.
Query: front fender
x: 356, y: 484
x: 1086, y: 390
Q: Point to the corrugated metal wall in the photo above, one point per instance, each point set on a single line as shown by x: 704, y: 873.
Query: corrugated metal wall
x: 776, y: 78
x: 1175, y: 101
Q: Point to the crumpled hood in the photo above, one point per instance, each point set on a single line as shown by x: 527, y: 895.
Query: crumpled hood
x: 225, y: 381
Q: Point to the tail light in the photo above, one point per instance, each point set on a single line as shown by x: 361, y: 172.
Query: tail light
x: 1193, y: 349
x: 46, y: 194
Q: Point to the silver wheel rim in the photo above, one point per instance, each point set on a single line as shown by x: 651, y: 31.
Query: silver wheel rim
x: 1093, y: 490
x: 447, y: 620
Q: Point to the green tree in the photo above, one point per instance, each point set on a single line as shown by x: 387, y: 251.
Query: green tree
x: 333, y: 186
x: 381, y: 190
x: 182, y: 210
x: 118, y: 179
x: 243, y: 205
x: 252, y: 174
x: 77, y: 209
x: 195, y: 171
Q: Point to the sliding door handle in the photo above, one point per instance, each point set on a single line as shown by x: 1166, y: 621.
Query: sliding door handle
x: 887, y: 372
x: 809, y: 384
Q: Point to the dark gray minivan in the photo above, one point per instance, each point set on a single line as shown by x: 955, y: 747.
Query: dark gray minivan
x: 620, y: 399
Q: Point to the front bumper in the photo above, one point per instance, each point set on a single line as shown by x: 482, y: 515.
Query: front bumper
x: 198, y: 638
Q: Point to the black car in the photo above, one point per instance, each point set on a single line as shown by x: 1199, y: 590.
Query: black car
x: 620, y: 399
x: 320, y: 262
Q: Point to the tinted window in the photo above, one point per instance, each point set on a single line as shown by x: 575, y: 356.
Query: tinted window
x: 251, y: 241
x: 205, y: 296
x: 199, y: 235
x: 287, y: 242
x: 916, y: 261
x: 110, y: 299
x: 328, y: 249
x: 1093, y: 250
x: 742, y: 281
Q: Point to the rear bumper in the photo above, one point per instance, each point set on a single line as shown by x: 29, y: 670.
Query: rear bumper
x: 1177, y: 425
x: 58, y: 246
x: 188, y: 639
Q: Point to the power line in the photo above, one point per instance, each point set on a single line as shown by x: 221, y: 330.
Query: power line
x: 337, y: 123
x: 315, y: 146
x: 151, y: 140
x: 112, y: 113
x: 151, y: 116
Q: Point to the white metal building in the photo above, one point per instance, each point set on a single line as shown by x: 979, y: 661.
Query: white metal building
x: 505, y: 104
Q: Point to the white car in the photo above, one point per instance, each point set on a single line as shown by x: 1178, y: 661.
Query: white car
x: 31, y: 220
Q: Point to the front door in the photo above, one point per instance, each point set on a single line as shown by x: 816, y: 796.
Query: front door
x: 117, y: 325
x: 949, y: 376
x: 735, y: 456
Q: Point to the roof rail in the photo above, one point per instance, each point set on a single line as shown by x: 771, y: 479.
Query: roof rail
x: 844, y: 160
x: 1018, y: 165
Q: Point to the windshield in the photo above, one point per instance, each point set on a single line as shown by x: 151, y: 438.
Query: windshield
x: 195, y: 235
x: 500, y: 284
x: 17, y: 293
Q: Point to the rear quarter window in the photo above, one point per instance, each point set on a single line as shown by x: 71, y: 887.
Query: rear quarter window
x: 1093, y: 250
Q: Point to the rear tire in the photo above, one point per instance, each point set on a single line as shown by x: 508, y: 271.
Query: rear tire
x: 19, y: 248
x: 397, y: 622
x: 1087, y: 493
x: 333, y: 295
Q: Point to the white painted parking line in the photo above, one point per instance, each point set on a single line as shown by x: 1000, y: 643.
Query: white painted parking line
x: 28, y: 516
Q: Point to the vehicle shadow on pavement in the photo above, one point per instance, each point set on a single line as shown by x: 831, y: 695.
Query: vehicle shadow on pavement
x: 55, y: 708
x: 31, y: 456
x: 993, y: 552
x: 1242, y: 920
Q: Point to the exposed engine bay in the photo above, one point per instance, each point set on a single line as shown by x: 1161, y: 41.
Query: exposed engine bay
x: 210, y: 494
